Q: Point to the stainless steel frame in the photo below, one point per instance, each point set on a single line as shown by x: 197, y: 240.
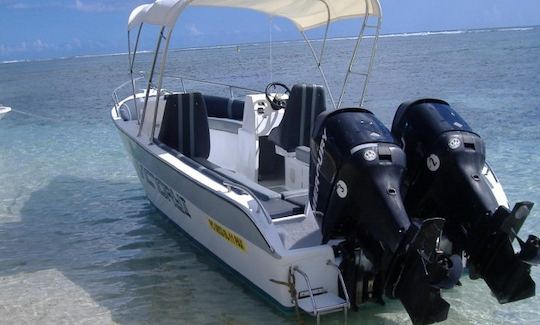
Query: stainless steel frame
x: 150, y: 81
x: 115, y: 98
x: 213, y: 83
x: 318, y: 61
x: 160, y: 82
x: 131, y: 63
x: 361, y: 36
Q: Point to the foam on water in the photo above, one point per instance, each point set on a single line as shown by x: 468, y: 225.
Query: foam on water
x: 80, y: 243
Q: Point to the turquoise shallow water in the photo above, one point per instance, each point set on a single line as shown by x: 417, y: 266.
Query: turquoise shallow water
x: 80, y: 243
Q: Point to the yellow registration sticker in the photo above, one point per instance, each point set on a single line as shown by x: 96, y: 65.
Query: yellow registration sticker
x: 228, y: 235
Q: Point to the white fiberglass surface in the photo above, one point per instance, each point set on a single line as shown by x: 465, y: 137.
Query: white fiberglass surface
x: 224, y: 150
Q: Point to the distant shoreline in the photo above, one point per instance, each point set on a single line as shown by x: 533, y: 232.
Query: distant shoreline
x: 224, y: 46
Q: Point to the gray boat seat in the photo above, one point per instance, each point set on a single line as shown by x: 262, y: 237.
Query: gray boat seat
x: 224, y: 107
x: 128, y: 113
x: 305, y: 103
x: 185, y: 125
x: 297, y: 197
x: 303, y: 153
x: 278, y: 208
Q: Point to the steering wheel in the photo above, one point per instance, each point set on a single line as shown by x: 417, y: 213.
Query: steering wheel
x: 277, y: 102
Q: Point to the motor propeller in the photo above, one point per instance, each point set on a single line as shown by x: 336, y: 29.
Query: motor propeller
x: 530, y: 250
x: 491, y: 255
x: 419, y: 272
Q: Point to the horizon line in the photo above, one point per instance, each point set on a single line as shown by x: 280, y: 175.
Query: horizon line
x: 295, y: 40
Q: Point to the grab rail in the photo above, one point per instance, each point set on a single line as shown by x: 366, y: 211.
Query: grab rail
x: 150, y: 86
x: 213, y: 83
x: 306, y: 278
x: 341, y: 281
x: 115, y: 91
x: 246, y: 190
x: 231, y: 88
x: 116, y: 100
x: 316, y: 310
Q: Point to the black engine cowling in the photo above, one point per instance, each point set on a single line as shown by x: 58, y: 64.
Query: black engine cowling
x: 356, y: 160
x: 447, y: 177
x: 356, y: 176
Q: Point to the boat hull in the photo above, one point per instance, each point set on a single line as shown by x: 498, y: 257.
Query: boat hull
x: 224, y: 229
x: 4, y: 110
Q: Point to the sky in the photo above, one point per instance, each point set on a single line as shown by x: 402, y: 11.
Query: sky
x: 42, y: 29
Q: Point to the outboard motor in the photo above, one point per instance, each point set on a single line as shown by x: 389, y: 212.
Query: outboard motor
x: 448, y: 177
x: 355, y: 190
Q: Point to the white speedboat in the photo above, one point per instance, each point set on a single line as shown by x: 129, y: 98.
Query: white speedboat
x: 4, y: 110
x: 310, y: 202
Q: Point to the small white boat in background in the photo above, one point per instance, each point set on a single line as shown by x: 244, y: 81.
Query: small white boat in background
x: 321, y: 207
x: 4, y: 110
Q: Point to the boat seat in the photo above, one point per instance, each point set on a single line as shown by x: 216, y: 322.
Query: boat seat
x: 272, y: 201
x: 127, y: 113
x: 305, y: 103
x: 185, y: 125
x: 297, y: 197
x: 278, y: 208
x: 303, y: 154
x: 221, y: 175
x: 224, y: 107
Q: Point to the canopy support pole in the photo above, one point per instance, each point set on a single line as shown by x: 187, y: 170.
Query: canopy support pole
x: 150, y: 80
x: 160, y: 81
x: 320, y: 69
x: 318, y: 59
x: 354, y: 56
x: 325, y: 32
x: 271, y: 54
x: 131, y: 63
x: 372, y: 58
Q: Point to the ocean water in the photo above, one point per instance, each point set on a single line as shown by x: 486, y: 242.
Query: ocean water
x: 80, y: 243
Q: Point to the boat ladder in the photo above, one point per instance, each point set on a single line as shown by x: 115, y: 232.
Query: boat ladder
x: 318, y: 302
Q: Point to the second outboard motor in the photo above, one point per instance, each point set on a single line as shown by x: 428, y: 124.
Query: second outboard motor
x: 356, y: 175
x: 447, y: 177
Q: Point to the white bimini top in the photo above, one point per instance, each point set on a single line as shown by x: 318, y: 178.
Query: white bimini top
x: 305, y: 14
